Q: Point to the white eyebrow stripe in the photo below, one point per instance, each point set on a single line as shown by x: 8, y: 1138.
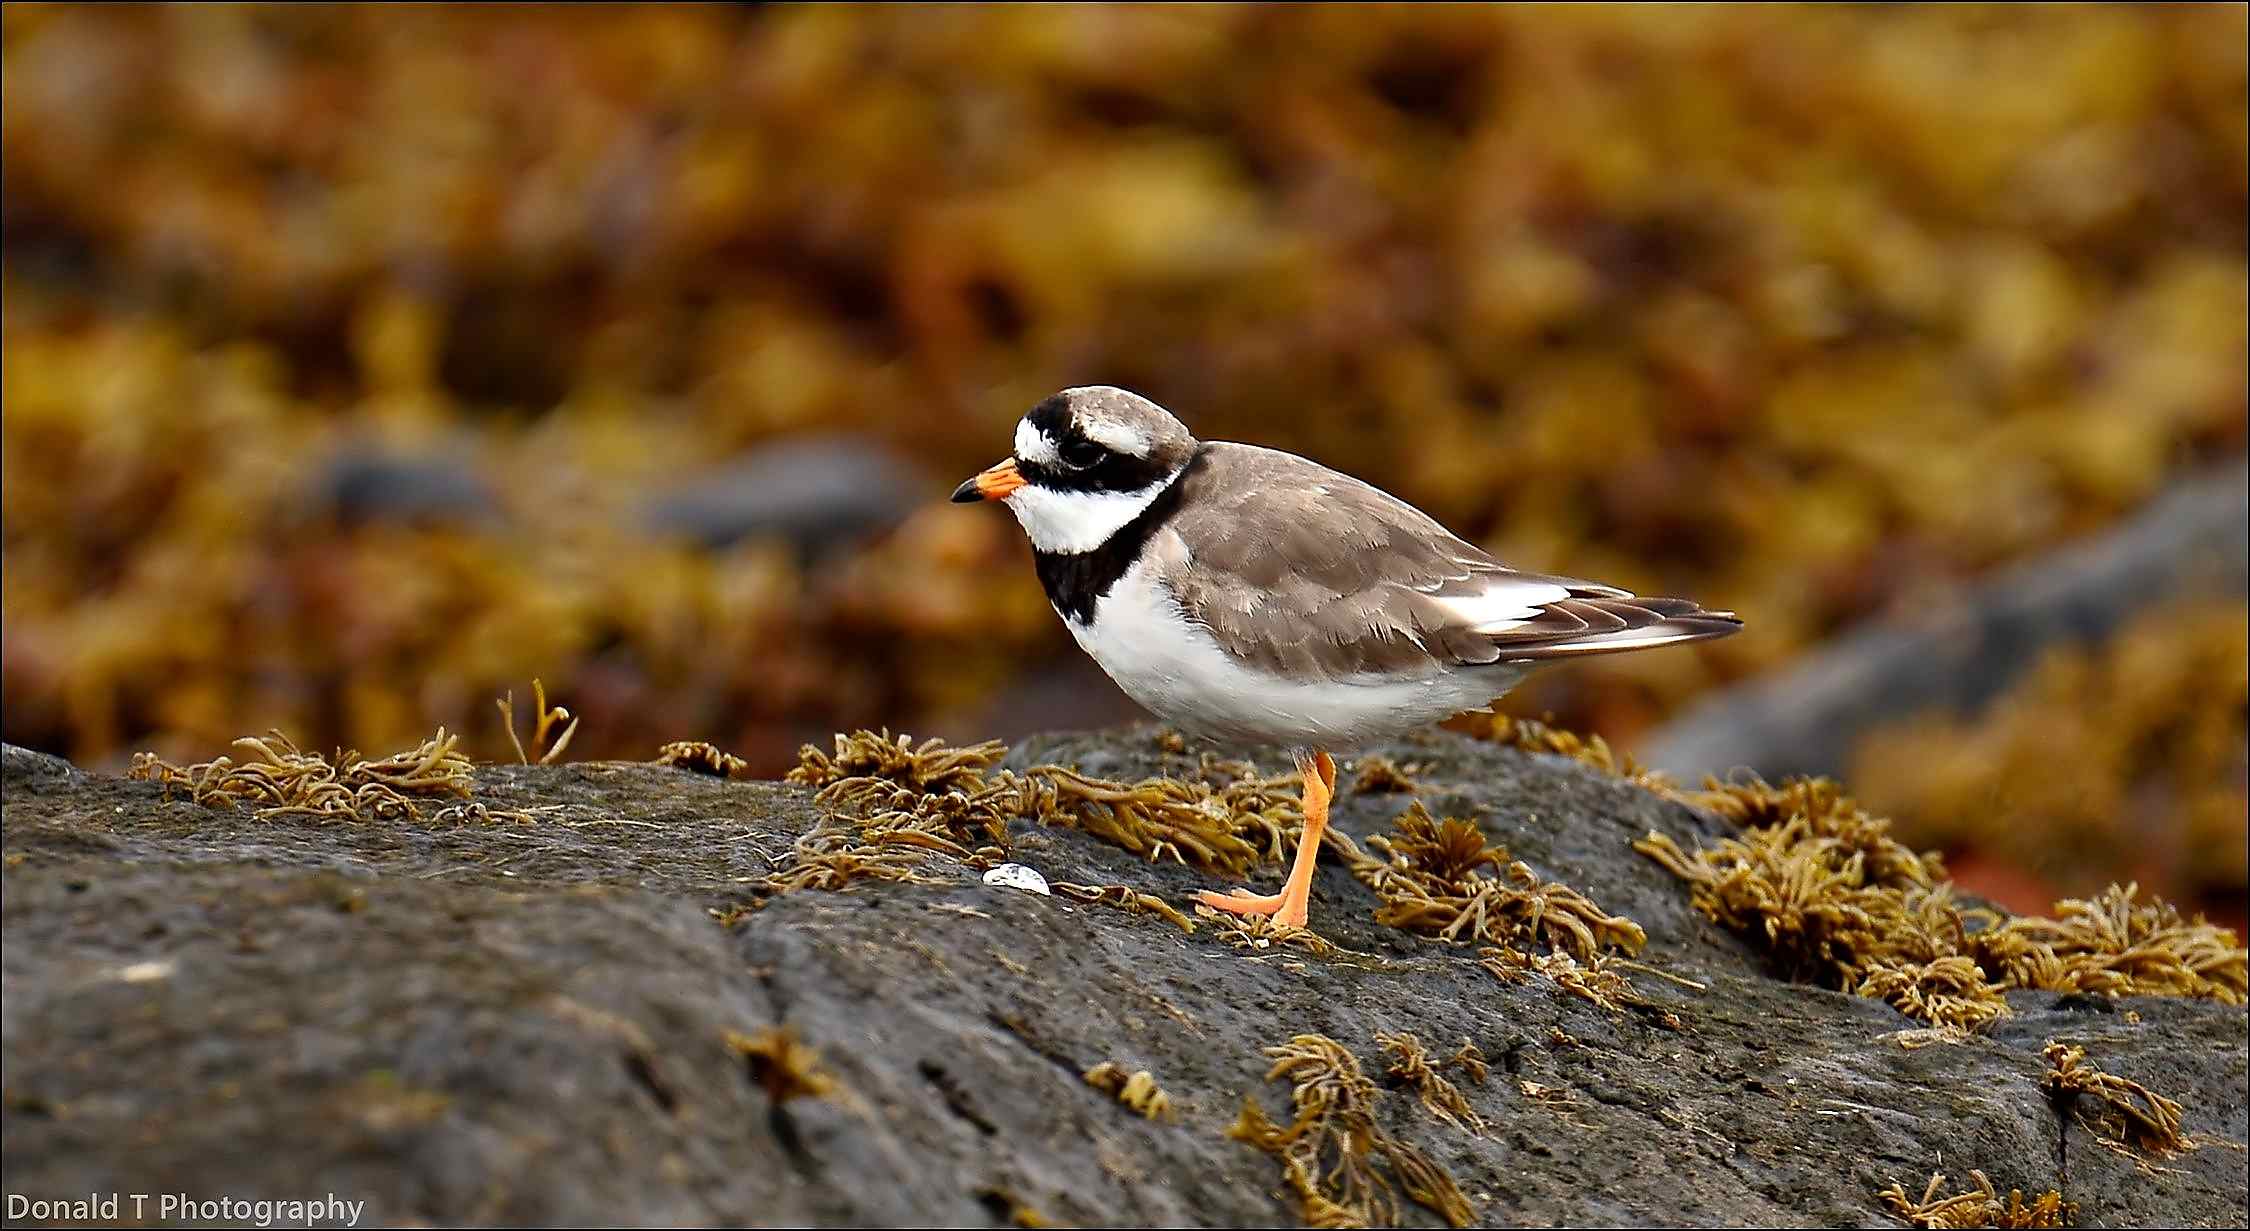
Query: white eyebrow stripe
x: 1032, y: 444
x: 1119, y: 437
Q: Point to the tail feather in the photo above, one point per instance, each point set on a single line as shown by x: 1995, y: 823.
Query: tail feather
x: 1584, y: 625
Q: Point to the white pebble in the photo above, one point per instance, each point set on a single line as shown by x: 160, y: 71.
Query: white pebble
x: 1018, y: 876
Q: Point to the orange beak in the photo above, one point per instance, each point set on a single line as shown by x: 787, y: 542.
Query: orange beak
x: 993, y: 483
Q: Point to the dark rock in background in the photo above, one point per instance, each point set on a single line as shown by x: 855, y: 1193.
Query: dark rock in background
x: 818, y: 492
x: 526, y: 1022
x: 1806, y: 719
x: 364, y: 485
x: 22, y: 765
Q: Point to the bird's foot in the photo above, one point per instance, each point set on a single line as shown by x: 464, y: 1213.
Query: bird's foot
x: 1287, y: 909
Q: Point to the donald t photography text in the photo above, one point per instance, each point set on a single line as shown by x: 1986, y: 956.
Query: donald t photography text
x: 329, y: 1210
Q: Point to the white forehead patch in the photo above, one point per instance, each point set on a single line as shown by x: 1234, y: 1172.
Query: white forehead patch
x: 1032, y: 444
x: 1118, y: 437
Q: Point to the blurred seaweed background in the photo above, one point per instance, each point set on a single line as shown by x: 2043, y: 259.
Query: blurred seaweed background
x: 363, y: 363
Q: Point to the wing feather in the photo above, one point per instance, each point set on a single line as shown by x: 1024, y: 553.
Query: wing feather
x: 1298, y: 568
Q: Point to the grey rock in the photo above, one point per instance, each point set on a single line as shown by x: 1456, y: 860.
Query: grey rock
x: 1808, y: 717
x: 36, y: 770
x: 478, y: 1023
x: 368, y: 485
x: 817, y: 492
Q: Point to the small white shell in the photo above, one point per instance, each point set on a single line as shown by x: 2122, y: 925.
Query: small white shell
x: 146, y: 972
x: 1018, y: 876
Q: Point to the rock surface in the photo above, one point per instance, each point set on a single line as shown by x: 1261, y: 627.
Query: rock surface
x: 528, y: 1022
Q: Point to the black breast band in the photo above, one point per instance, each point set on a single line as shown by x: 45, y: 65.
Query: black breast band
x: 1077, y: 580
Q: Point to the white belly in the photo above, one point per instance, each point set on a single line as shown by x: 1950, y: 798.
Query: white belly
x: 1176, y: 670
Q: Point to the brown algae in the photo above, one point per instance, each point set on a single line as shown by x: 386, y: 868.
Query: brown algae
x: 1978, y: 1207
x: 1409, y: 1065
x: 1127, y: 899
x: 1137, y: 1090
x: 928, y: 768
x: 1469, y: 1058
x: 277, y: 779
x: 701, y: 757
x: 545, y: 720
x: 1330, y: 1147
x: 2121, y: 1113
x: 1265, y: 932
x: 1833, y: 898
x: 1442, y: 879
x: 781, y: 1065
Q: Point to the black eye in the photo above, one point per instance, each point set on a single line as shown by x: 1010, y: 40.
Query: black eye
x: 1078, y: 453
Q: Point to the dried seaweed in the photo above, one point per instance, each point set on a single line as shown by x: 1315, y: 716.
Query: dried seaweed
x: 2113, y: 945
x: 1809, y: 898
x: 2121, y: 1113
x: 544, y: 721
x: 930, y: 768
x: 889, y: 805
x: 1266, y: 810
x: 886, y: 796
x: 703, y: 758
x: 1978, y: 1207
x: 1931, y: 1036
x: 1226, y: 819
x: 1125, y: 898
x: 1263, y: 932
x: 1592, y: 981
x: 1562, y: 1102
x: 477, y: 812
x: 1430, y: 879
x: 813, y: 868
x: 277, y: 779
x: 781, y: 1065
x: 1469, y: 1058
x: 1828, y: 813
x: 1833, y: 898
x: 1410, y: 1065
x: 970, y: 826
x: 1447, y: 852
x: 1951, y: 989
x: 1329, y: 1149
x: 1137, y: 1090
x: 1158, y: 818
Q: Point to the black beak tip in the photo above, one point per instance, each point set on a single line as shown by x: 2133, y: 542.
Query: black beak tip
x: 967, y: 493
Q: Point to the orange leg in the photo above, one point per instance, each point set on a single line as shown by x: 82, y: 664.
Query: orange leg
x: 1292, y: 904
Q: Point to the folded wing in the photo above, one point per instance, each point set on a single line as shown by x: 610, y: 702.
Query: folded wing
x: 1523, y: 617
x: 1304, y: 570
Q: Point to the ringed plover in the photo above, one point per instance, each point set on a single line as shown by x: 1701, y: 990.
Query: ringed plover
x: 1247, y: 594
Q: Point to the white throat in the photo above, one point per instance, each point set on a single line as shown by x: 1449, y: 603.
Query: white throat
x: 1066, y: 523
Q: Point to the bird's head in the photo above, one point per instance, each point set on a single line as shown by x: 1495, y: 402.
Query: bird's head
x: 1087, y: 461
